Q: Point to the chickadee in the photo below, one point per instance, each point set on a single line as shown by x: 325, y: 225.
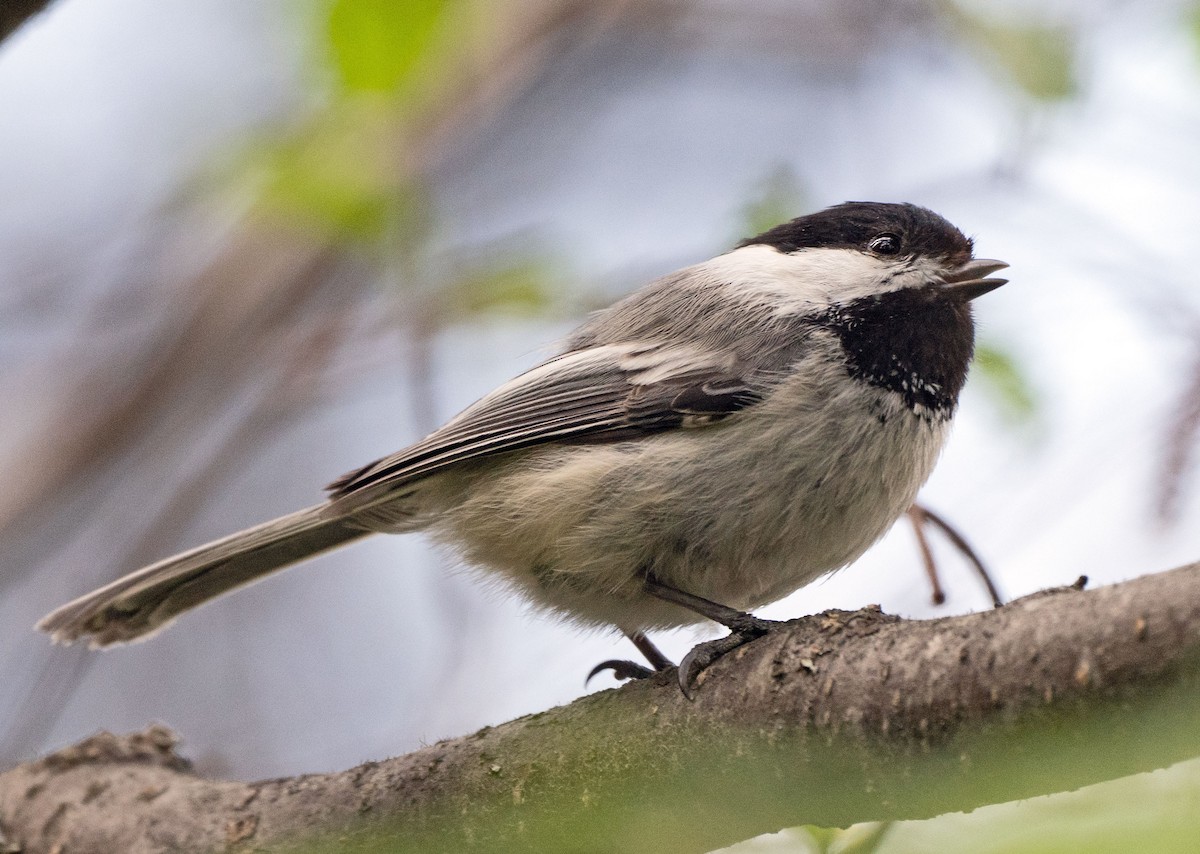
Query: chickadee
x: 709, y: 444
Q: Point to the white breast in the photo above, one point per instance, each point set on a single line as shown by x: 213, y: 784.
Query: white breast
x: 742, y: 512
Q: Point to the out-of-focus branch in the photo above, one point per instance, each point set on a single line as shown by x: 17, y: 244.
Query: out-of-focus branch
x: 248, y: 318
x: 222, y: 357
x: 1179, y: 447
x: 843, y: 717
x: 922, y: 517
x: 13, y: 13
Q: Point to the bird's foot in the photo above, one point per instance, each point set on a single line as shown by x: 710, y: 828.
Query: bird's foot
x: 631, y: 669
x: 621, y: 670
x: 747, y: 628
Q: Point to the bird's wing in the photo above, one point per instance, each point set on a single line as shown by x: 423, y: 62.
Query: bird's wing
x: 598, y: 394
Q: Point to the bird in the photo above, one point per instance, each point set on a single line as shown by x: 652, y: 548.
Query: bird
x: 707, y: 445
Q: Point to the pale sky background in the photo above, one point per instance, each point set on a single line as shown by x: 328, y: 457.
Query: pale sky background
x: 628, y: 161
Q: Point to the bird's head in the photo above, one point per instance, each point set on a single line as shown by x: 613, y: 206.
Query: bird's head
x: 865, y: 250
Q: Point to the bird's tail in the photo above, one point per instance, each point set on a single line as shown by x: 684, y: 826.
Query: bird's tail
x: 145, y: 601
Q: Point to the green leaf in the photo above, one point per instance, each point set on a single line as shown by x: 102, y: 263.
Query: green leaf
x: 521, y: 287
x: 333, y: 174
x: 1041, y: 59
x: 778, y: 198
x: 384, y: 45
x: 822, y: 838
x: 1006, y: 382
x: 1193, y: 23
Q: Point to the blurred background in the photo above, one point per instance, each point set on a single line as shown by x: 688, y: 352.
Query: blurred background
x: 247, y: 245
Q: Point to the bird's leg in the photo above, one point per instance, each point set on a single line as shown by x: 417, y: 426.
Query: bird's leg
x: 631, y: 669
x: 653, y: 654
x: 730, y: 618
x: 743, y: 628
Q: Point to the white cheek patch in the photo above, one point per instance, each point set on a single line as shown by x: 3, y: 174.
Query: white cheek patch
x: 800, y: 281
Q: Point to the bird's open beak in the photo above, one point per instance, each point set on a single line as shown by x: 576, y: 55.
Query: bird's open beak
x: 968, y: 281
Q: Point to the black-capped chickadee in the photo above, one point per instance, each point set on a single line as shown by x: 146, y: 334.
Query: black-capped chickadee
x: 707, y: 445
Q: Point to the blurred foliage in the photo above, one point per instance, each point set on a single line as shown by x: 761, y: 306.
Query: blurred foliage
x: 331, y: 175
x: 864, y: 838
x: 1006, y: 382
x: 1193, y: 23
x: 780, y: 196
x: 391, y: 48
x: 520, y: 287
x: 1040, y: 59
x: 355, y: 168
x: 348, y: 167
x: 1158, y: 811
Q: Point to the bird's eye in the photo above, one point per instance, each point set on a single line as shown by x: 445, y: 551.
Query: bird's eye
x: 885, y: 244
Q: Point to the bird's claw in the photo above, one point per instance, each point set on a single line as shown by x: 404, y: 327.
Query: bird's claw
x: 621, y: 670
x: 743, y: 628
x: 704, y: 654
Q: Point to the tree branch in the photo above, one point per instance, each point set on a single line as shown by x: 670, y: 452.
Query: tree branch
x: 843, y: 717
x: 14, y: 13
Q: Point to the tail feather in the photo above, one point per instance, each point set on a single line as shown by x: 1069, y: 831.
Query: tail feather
x: 145, y: 601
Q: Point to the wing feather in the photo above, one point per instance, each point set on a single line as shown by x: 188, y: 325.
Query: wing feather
x: 598, y: 394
